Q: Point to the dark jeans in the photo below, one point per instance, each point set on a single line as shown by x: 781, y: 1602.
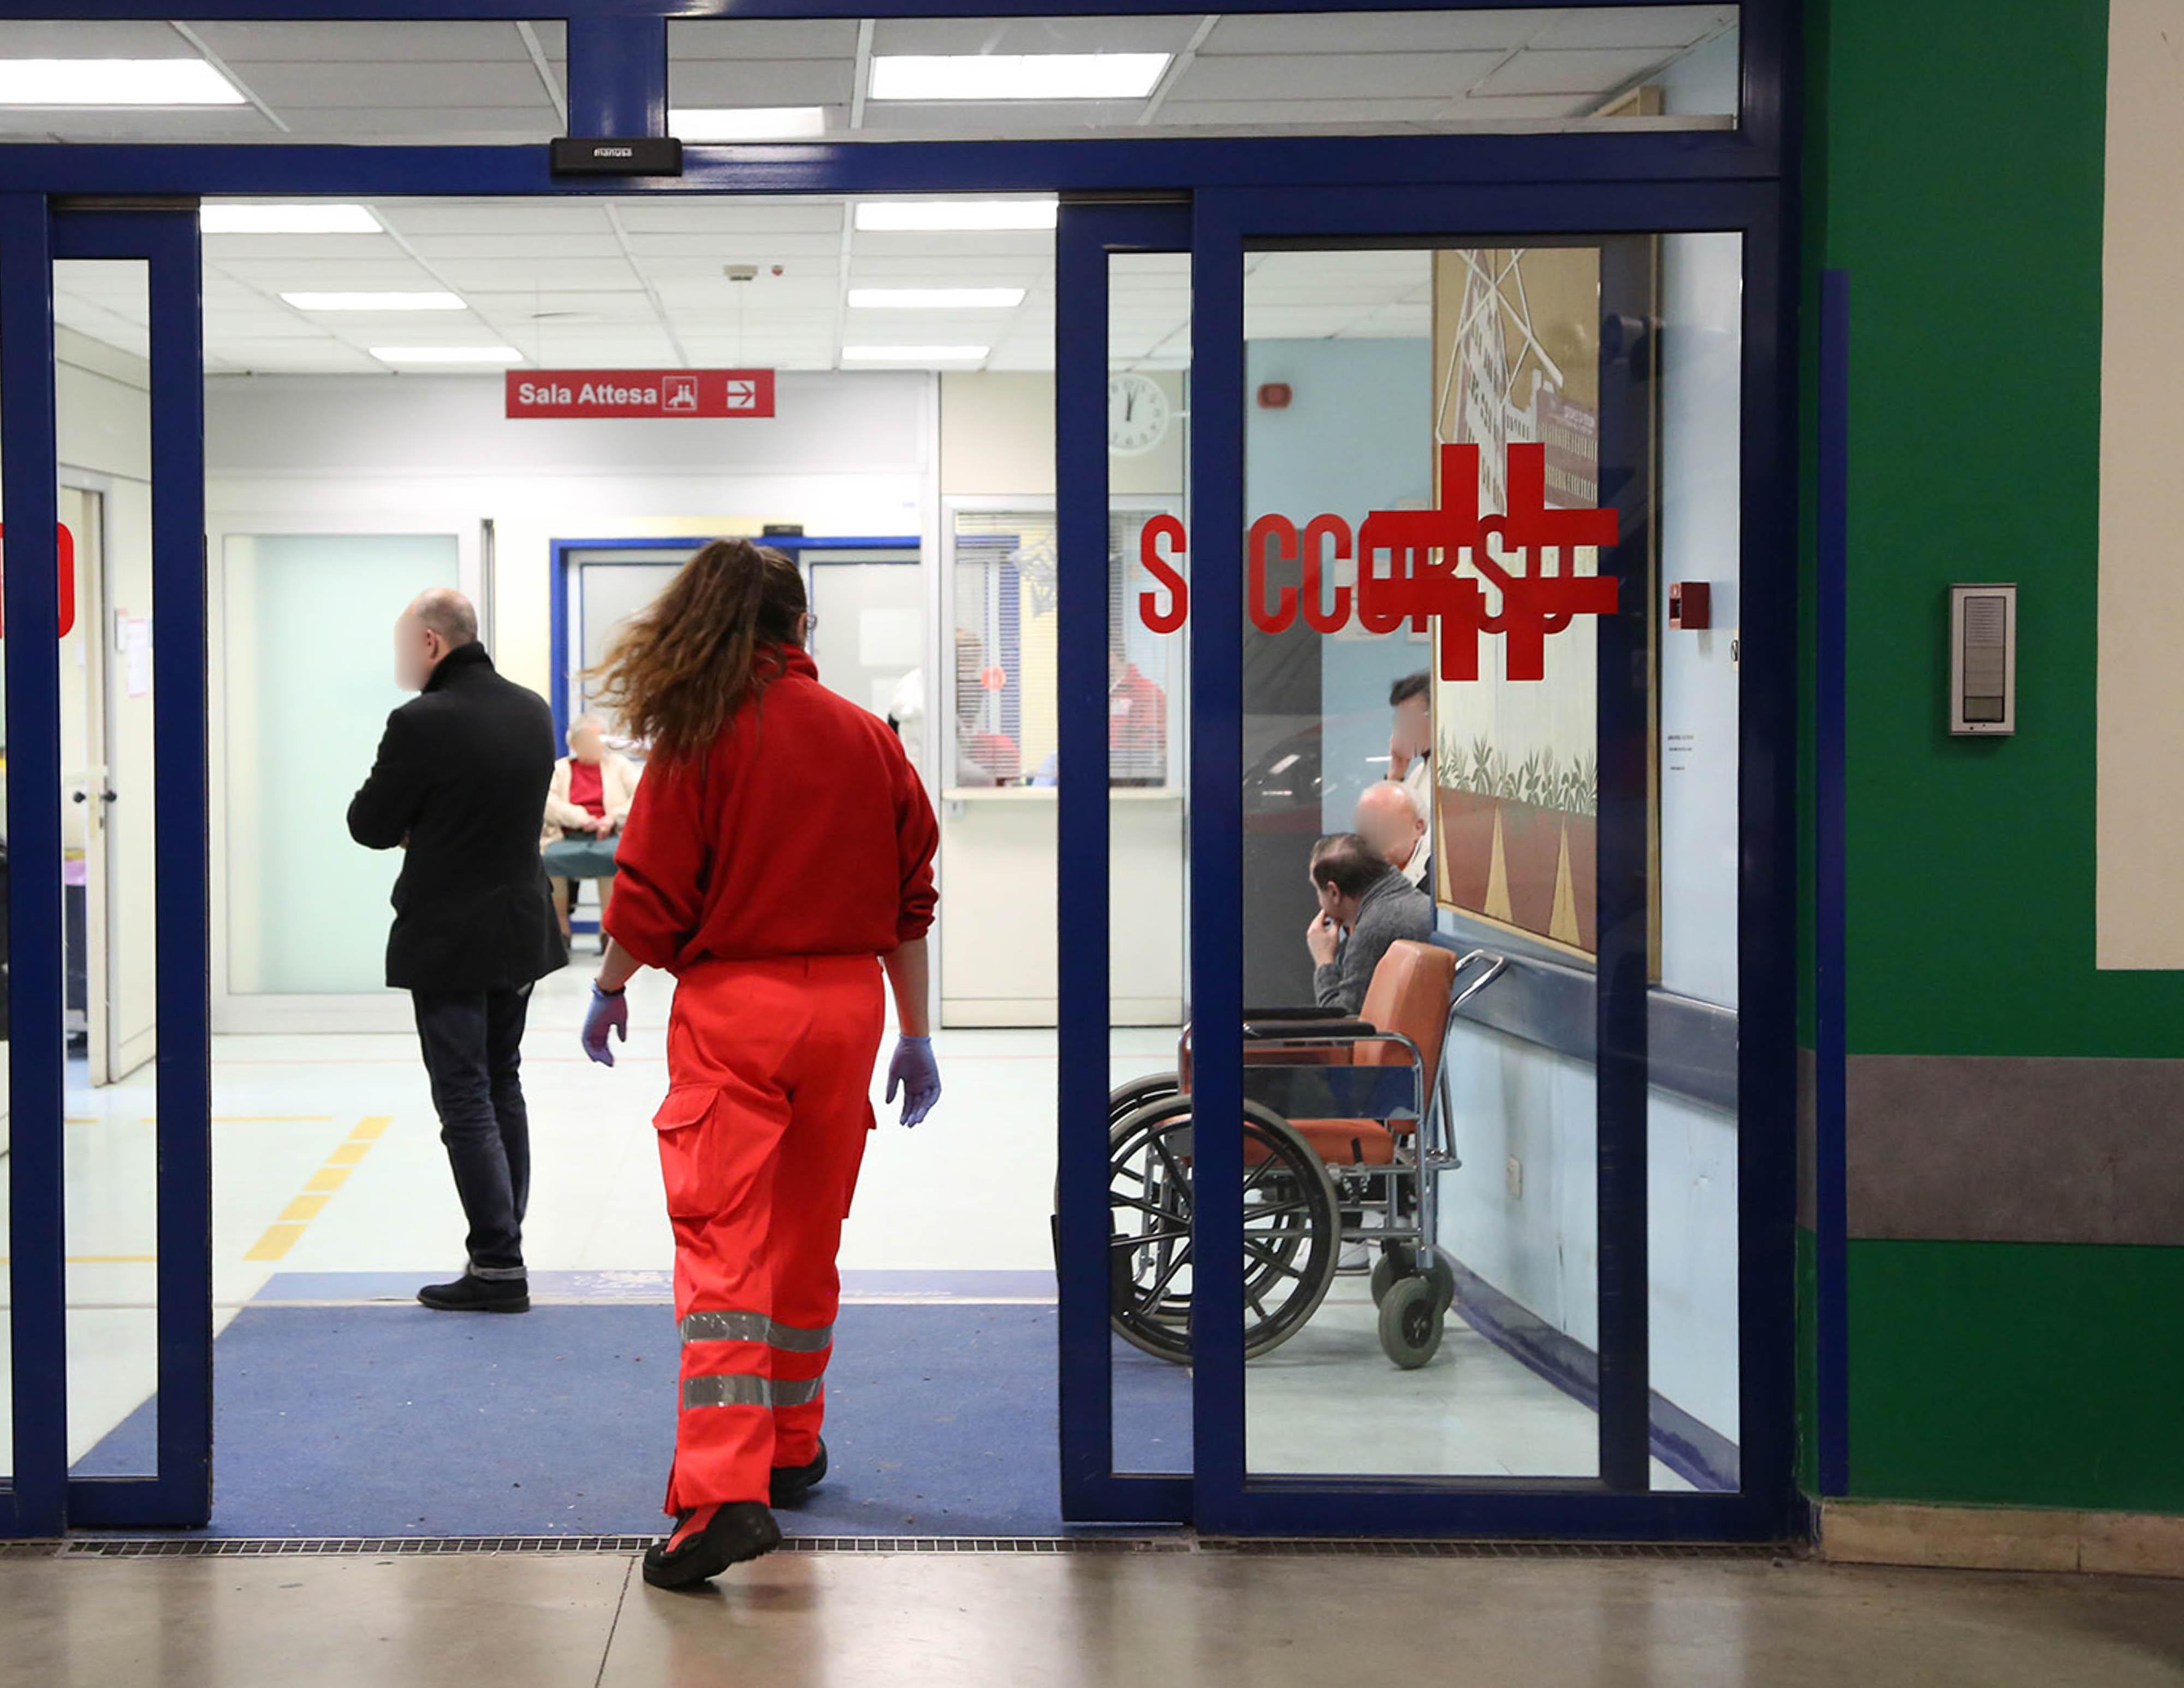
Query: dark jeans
x: 473, y: 1043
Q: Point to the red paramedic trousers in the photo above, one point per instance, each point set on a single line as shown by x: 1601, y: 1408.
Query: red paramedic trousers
x: 770, y: 1067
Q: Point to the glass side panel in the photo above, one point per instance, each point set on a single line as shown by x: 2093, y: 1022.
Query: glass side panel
x: 1435, y: 736
x: 1149, y: 835
x: 110, y: 884
x: 308, y: 694
x: 1333, y: 73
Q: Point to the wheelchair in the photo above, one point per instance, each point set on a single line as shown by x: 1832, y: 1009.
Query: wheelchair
x: 1311, y: 1185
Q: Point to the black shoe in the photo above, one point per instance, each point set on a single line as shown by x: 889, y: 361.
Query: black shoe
x: 735, y: 1532
x: 791, y: 1483
x: 469, y: 1295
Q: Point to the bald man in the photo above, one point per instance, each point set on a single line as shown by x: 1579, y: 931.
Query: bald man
x: 460, y: 786
x: 1388, y: 819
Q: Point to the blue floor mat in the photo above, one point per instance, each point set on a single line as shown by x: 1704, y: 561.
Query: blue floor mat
x: 395, y: 1421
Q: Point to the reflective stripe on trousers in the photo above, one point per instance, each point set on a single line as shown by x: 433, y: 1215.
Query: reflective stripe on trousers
x: 751, y: 1389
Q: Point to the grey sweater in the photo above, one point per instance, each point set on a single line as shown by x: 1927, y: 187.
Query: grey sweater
x: 1391, y: 908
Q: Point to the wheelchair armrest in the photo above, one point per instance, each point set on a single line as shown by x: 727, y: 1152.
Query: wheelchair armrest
x: 1295, y: 1014
x: 1332, y: 1030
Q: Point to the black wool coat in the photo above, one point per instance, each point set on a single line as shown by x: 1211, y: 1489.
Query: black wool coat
x: 459, y: 784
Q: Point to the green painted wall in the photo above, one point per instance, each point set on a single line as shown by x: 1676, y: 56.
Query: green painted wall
x: 1953, y: 167
x: 2036, y: 1374
x: 1958, y: 181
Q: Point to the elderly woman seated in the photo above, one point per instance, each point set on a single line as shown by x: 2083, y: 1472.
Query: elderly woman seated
x: 586, y: 804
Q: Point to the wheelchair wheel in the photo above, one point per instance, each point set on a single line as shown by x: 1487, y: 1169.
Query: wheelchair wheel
x: 1386, y: 1271
x: 1410, y: 1322
x: 1127, y: 1097
x: 1442, y: 1276
x: 1292, y: 1236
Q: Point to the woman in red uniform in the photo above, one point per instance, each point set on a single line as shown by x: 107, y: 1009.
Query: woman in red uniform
x: 778, y: 844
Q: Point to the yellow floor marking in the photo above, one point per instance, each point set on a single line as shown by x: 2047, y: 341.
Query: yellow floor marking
x: 104, y: 1259
x: 281, y: 1235
x: 278, y: 1239
x: 251, y: 1119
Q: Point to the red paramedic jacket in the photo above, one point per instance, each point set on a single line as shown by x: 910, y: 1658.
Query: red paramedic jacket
x: 803, y: 830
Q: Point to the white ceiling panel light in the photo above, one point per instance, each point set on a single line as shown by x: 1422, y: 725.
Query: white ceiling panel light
x: 914, y: 354
x: 447, y: 355
x: 287, y: 219
x: 935, y: 298
x: 375, y: 301
x: 1016, y: 75
x: 701, y: 124
x: 113, y: 82
x: 953, y: 216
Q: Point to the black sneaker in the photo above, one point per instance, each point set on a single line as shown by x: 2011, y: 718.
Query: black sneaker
x: 708, y: 1539
x: 791, y: 1483
x: 470, y: 1294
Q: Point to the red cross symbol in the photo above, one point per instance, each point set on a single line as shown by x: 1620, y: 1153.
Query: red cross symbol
x: 1425, y: 546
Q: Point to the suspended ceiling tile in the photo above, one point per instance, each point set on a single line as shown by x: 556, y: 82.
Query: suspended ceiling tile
x: 334, y: 41
x: 547, y: 247
x: 166, y: 124
x: 1000, y: 119
x: 532, y: 305
x: 1570, y: 72
x: 475, y: 216
x: 1521, y: 107
x: 696, y: 39
x: 705, y: 254
x: 221, y: 249
x: 562, y: 275
x: 718, y: 216
x: 73, y: 39
x: 486, y: 126
x: 321, y: 274
x: 765, y: 82
x: 1326, y: 32
x: 296, y: 89
x: 1624, y: 26
x: 1349, y: 114
x: 929, y: 36
x: 1335, y: 77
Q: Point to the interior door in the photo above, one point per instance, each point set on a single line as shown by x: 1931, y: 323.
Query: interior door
x: 1520, y: 1269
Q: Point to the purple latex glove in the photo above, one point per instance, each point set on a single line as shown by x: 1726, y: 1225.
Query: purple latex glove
x: 913, y: 1070
x: 607, y: 1013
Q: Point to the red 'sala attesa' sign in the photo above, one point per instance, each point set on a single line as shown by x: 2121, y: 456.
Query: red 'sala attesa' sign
x: 640, y: 393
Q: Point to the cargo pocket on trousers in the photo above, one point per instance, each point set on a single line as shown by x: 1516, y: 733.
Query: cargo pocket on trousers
x: 686, y: 1157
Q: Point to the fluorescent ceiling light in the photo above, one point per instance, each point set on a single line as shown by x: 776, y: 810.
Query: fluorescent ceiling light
x: 748, y: 123
x: 1018, y: 76
x: 447, y: 355
x: 375, y: 301
x: 287, y: 220
x: 935, y: 298
x: 913, y: 354
x: 113, y: 81
x: 954, y: 216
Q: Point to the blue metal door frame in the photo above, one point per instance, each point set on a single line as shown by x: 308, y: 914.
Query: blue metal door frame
x: 41, y: 1498
x: 1582, y: 182
x: 1227, y: 1498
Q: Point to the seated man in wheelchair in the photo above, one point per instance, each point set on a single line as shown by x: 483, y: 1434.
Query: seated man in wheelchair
x: 1364, y: 905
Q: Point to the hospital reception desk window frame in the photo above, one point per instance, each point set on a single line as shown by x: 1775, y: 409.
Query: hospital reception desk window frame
x: 127, y: 186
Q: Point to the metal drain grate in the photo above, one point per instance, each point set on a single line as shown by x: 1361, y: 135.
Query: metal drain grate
x: 231, y: 1548
x: 1403, y: 1548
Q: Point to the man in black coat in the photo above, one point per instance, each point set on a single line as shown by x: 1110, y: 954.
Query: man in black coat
x: 459, y: 784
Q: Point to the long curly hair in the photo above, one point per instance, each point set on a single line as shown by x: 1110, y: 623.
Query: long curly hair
x: 678, y: 671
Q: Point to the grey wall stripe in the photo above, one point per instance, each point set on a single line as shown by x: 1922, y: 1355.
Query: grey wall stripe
x: 742, y: 1326
x: 2011, y: 1149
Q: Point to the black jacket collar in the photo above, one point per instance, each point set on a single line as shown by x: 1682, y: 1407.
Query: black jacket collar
x: 462, y: 658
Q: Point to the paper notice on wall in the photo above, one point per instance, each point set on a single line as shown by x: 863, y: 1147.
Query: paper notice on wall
x: 136, y: 655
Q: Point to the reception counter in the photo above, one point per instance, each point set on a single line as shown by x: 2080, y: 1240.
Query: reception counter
x: 998, y: 902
